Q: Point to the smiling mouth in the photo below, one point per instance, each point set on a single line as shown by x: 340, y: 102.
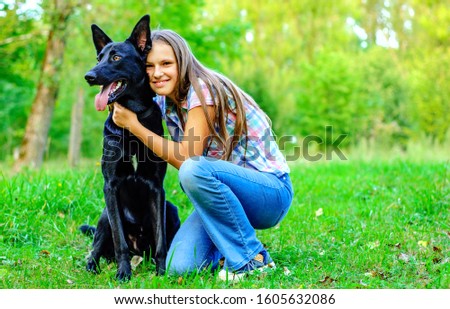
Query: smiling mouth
x: 160, y: 83
x: 109, y: 94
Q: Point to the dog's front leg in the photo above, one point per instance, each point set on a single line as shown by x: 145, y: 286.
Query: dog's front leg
x: 121, y: 250
x: 159, y: 223
x: 101, y: 245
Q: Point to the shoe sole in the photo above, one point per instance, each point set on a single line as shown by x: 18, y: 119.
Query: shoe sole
x: 225, y: 275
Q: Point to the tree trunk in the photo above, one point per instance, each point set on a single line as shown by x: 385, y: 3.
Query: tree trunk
x: 75, y: 129
x: 36, y: 133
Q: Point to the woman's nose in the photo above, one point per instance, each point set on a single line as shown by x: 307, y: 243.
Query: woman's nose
x: 158, y: 73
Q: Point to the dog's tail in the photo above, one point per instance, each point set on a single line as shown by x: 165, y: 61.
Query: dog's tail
x: 87, y: 230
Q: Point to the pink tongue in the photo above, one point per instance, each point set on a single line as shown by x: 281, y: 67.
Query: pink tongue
x: 101, y: 99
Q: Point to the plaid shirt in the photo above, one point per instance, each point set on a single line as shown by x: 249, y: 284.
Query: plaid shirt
x: 262, y: 152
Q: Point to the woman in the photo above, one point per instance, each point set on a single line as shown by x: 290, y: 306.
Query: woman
x: 229, y: 164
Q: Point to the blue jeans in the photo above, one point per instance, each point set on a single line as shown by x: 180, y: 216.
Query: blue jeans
x: 230, y: 202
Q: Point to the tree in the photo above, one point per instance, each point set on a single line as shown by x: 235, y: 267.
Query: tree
x: 35, y: 140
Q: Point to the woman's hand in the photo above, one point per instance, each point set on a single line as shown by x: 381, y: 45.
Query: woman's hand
x: 123, y: 117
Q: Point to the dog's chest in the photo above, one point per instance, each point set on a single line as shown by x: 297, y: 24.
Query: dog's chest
x: 135, y: 240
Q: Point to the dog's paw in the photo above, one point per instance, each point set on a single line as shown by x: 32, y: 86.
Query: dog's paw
x: 92, y: 267
x: 160, y: 266
x: 124, y: 273
x: 160, y: 270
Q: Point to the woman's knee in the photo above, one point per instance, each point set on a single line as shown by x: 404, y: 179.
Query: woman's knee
x: 192, y: 172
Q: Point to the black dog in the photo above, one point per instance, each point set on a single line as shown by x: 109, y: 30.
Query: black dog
x: 137, y: 219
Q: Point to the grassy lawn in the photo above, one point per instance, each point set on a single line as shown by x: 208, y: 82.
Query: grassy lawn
x: 353, y: 224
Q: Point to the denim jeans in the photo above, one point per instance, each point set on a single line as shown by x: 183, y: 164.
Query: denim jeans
x: 230, y: 202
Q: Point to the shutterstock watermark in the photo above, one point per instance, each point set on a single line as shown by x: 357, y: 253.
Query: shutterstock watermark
x: 310, y: 148
x: 314, y: 147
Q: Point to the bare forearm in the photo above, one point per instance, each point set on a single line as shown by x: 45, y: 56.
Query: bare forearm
x: 170, y: 151
x: 196, y: 135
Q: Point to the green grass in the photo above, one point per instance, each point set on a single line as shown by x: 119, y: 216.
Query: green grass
x: 381, y: 225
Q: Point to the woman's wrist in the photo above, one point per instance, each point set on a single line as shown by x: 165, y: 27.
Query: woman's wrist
x: 135, y: 126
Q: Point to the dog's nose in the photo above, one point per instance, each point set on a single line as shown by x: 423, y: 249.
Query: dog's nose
x: 90, y: 77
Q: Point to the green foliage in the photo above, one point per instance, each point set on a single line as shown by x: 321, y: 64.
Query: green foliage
x: 22, y: 46
x: 309, y: 64
x: 329, y: 96
x: 429, y: 80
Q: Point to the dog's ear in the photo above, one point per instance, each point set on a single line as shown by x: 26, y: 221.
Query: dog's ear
x: 140, y: 36
x: 100, y: 38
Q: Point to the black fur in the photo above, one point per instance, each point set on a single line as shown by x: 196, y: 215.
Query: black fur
x: 136, y: 220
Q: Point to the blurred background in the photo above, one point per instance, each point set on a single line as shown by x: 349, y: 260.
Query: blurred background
x: 374, y: 70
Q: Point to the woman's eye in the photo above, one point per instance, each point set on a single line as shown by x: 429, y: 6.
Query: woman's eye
x: 116, y: 58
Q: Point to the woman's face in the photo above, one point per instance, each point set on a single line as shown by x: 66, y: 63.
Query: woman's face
x: 162, y: 69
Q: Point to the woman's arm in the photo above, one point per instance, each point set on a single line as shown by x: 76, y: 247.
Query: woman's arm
x: 196, y: 133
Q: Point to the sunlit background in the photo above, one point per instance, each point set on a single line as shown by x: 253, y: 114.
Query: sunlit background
x: 374, y: 70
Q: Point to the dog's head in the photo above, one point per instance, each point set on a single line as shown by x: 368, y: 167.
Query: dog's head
x: 120, y: 65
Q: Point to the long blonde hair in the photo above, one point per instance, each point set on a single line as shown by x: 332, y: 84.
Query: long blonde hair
x: 190, y: 70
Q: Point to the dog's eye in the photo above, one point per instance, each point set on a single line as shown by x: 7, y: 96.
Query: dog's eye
x: 116, y: 58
